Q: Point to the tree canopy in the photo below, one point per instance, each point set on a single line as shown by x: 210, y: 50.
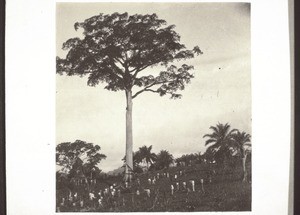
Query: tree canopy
x: 219, y: 141
x: 117, y: 47
x: 79, y: 153
x: 164, y: 160
x: 146, y: 155
x: 241, y: 140
x: 188, y: 159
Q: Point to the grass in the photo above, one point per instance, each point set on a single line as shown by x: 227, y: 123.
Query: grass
x: 223, y: 191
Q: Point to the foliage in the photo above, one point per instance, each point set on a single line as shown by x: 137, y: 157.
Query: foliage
x: 222, y: 193
x: 72, y: 156
x: 117, y: 47
x: 219, y: 141
x: 115, y: 50
x: 240, y: 141
x: 146, y: 155
x: 241, y: 144
x: 136, y: 162
x: 164, y: 160
x: 189, y: 159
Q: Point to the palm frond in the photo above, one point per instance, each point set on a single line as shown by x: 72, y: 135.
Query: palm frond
x: 215, y: 129
x: 210, y: 135
x: 233, y: 131
x: 210, y: 141
x: 247, y: 144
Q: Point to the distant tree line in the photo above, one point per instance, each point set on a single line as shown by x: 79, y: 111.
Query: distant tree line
x: 225, y: 147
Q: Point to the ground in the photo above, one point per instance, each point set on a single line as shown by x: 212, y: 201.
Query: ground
x: 222, y: 190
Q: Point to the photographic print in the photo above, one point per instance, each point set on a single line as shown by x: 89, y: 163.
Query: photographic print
x: 153, y: 107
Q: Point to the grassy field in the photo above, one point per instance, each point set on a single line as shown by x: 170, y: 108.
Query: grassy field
x: 221, y: 190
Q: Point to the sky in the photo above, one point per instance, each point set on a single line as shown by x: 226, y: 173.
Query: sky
x: 220, y: 91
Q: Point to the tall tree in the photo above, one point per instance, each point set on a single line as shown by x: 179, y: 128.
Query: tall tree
x: 241, y: 141
x: 78, y: 154
x: 219, y: 141
x: 115, y: 50
x: 146, y: 155
x: 137, y: 159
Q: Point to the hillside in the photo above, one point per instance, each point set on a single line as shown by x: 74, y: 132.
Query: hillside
x: 215, y: 189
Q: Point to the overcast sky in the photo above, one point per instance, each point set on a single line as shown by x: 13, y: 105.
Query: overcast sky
x: 220, y: 91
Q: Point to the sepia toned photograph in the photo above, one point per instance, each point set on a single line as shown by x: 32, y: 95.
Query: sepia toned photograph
x: 153, y: 107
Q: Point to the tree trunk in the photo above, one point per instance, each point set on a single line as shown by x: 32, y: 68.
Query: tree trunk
x: 244, y: 167
x: 129, y: 141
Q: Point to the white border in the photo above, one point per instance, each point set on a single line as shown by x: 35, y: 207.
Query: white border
x: 30, y: 106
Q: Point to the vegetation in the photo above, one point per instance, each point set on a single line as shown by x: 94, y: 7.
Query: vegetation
x: 189, y: 159
x: 219, y: 142
x: 117, y: 48
x: 146, y: 155
x: 71, y: 157
x: 199, y: 182
x: 241, y: 142
x: 164, y: 160
x: 220, y: 192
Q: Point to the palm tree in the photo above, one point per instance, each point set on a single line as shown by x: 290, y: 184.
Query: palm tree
x: 146, y: 155
x: 181, y: 161
x: 241, y: 141
x: 188, y: 159
x: 219, y: 141
x: 164, y: 159
x: 199, y: 157
x: 178, y: 161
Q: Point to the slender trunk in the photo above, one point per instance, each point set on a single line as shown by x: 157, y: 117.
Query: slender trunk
x: 244, y: 167
x: 129, y: 141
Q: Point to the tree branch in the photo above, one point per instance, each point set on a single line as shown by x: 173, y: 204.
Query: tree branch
x: 115, y: 74
x: 153, y: 91
x: 150, y: 90
x: 122, y: 63
x: 142, y: 68
x: 147, y: 89
x: 118, y: 71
